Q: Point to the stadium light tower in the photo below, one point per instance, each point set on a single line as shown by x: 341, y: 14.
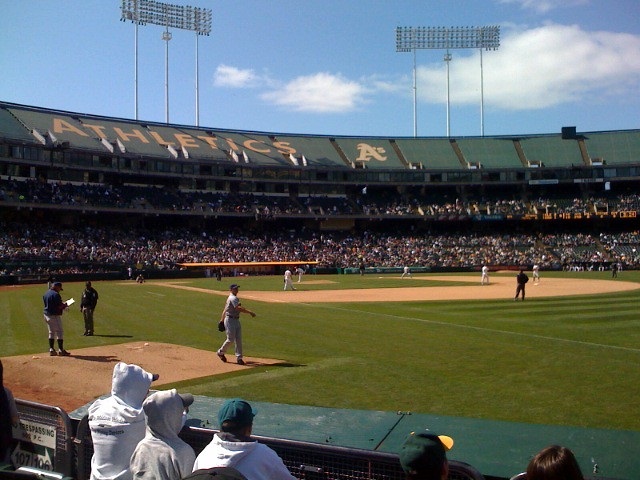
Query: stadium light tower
x: 184, y: 17
x: 410, y: 39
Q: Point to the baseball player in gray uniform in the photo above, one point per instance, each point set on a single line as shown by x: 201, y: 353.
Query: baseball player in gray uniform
x: 231, y: 318
x: 288, y: 280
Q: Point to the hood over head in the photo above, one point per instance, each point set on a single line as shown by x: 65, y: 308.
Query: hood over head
x: 164, y: 410
x: 131, y: 383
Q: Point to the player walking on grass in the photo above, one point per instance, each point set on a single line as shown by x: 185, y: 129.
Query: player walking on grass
x: 233, y: 329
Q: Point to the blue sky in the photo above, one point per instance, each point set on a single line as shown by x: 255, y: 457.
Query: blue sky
x: 330, y: 67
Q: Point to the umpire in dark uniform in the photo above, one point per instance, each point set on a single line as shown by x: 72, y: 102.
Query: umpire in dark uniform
x: 87, y: 306
x: 521, y: 279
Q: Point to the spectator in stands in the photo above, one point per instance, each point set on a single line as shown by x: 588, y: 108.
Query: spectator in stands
x: 554, y: 463
x: 53, y: 308
x: 8, y: 418
x: 117, y: 422
x: 233, y: 446
x: 423, y: 456
x: 162, y: 455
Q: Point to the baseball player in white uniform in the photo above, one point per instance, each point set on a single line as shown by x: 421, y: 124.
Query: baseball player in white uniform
x: 406, y: 272
x: 536, y: 274
x: 485, y: 275
x: 288, y: 282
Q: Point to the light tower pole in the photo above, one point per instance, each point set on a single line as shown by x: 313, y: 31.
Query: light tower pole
x: 141, y: 12
x: 447, y: 59
x: 410, y: 39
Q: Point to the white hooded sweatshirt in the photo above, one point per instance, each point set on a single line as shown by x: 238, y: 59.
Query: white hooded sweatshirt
x: 254, y: 460
x: 162, y: 455
x: 117, y: 423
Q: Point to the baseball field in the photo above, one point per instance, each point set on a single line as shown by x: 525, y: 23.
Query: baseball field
x: 438, y: 344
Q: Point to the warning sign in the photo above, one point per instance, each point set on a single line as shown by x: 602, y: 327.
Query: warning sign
x: 36, y: 445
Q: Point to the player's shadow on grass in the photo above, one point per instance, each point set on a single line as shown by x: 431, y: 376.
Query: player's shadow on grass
x: 97, y: 358
x: 254, y: 363
x: 112, y: 336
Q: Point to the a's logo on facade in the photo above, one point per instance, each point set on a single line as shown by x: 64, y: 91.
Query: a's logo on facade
x: 367, y: 153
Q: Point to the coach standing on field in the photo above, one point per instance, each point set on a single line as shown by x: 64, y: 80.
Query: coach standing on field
x: 87, y: 306
x: 53, y: 308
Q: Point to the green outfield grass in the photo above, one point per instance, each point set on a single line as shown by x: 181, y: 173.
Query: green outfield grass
x: 562, y: 361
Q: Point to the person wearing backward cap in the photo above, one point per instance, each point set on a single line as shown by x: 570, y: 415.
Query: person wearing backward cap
x: 423, y: 456
x: 162, y: 454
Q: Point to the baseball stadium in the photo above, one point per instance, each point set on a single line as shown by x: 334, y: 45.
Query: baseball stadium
x: 87, y: 197
x: 389, y: 324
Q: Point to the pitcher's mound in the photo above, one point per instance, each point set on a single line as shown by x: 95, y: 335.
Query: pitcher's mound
x: 71, y: 382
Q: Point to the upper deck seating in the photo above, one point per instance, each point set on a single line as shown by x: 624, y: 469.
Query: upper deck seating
x: 614, y: 148
x: 552, y: 151
x: 435, y: 153
x: 490, y: 152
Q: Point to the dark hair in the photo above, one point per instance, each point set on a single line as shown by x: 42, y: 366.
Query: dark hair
x: 554, y: 463
x: 234, y: 428
x: 433, y: 474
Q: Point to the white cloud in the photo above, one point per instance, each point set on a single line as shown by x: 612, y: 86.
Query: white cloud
x: 321, y: 93
x: 233, y: 77
x: 544, y: 6
x: 539, y: 68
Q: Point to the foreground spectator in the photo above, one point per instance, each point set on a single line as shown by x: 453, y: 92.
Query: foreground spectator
x: 233, y: 446
x: 162, y: 455
x: 423, y: 456
x: 117, y: 422
x: 554, y: 463
x: 8, y: 418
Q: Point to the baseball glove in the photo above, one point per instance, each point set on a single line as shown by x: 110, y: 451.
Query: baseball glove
x: 221, y: 326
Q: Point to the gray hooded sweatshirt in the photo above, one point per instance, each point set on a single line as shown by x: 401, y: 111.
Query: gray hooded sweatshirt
x: 162, y: 455
x: 117, y: 423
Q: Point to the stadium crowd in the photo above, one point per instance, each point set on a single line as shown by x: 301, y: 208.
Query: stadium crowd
x: 270, y: 206
x: 35, y: 248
